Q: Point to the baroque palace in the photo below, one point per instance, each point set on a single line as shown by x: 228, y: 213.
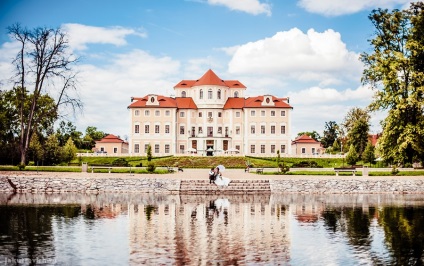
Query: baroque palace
x: 210, y: 116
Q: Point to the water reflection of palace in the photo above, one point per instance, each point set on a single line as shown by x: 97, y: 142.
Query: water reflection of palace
x: 194, y: 230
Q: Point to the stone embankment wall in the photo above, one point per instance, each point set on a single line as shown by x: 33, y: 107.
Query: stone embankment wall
x: 33, y: 184
x: 88, y: 185
x: 348, y: 186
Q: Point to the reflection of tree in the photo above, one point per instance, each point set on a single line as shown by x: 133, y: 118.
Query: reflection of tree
x: 332, y: 219
x: 149, y: 209
x: 358, y: 225
x: 27, y: 231
x: 404, y: 234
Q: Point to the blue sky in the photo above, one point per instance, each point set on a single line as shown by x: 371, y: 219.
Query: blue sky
x: 303, y: 49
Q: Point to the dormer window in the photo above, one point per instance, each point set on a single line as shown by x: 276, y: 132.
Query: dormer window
x: 152, y: 99
x: 218, y: 96
x: 210, y: 94
x: 201, y: 94
x: 236, y: 94
x: 267, y: 100
x: 183, y: 94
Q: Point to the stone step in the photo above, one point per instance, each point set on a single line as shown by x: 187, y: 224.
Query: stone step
x: 236, y: 186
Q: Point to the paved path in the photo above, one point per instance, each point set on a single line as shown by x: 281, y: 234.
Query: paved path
x: 190, y: 174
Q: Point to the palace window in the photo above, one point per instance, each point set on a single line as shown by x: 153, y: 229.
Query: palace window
x: 252, y: 149
x: 183, y: 94
x: 146, y: 113
x: 146, y: 129
x: 262, y: 148
x: 166, y: 129
x: 146, y: 147
x: 272, y: 129
x: 219, y: 114
x: 157, y: 129
x: 236, y: 94
x: 182, y: 114
x: 156, y: 148
x: 200, y: 114
x: 181, y: 130
x: 137, y: 129
x: 262, y: 129
x: 182, y: 149
x: 283, y: 148
x: 201, y: 94
x: 252, y: 129
x: 137, y: 112
x: 166, y: 148
x: 218, y: 95
x: 237, y: 114
x: 283, y: 130
x: 252, y: 113
x: 200, y: 130
x: 167, y: 113
x: 237, y: 130
x: 219, y: 130
x: 157, y: 113
x: 136, y: 148
x: 262, y: 113
x: 272, y: 113
x: 303, y: 150
x: 272, y: 148
x: 210, y: 94
x: 283, y: 113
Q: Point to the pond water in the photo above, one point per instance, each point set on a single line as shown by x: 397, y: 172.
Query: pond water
x: 281, y: 229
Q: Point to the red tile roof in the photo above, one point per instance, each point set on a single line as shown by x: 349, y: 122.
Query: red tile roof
x: 304, y: 139
x: 210, y: 78
x: 164, y: 102
x: 110, y: 139
x: 257, y: 102
x: 234, y: 103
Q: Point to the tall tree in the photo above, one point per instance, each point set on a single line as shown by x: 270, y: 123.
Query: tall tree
x: 43, y: 61
x: 330, y: 134
x: 395, y: 70
x: 356, y: 124
x: 69, y: 151
x: 352, y: 156
x: 369, y: 154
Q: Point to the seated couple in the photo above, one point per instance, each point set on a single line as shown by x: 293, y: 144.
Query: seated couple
x: 216, y: 177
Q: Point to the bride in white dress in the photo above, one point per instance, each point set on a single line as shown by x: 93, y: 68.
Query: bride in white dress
x: 220, y: 180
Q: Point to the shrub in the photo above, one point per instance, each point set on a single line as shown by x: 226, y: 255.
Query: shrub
x: 120, y: 162
x: 306, y: 164
x: 151, y: 168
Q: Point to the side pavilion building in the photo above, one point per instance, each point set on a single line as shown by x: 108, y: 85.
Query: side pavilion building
x: 210, y: 116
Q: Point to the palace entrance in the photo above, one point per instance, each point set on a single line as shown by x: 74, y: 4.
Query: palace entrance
x: 209, y: 147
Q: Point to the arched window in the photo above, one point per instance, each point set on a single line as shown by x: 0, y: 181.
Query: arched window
x: 201, y: 94
x: 183, y: 94
x: 210, y: 94
x: 236, y: 94
x: 218, y: 95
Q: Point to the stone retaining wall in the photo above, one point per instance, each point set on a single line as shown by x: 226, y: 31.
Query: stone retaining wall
x: 348, y: 186
x: 88, y: 185
x: 162, y: 185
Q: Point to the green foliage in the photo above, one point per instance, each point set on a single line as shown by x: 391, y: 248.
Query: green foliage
x: 283, y: 168
x: 369, y: 154
x: 357, y: 126
x: 151, y: 168
x: 120, y: 162
x: 395, y: 70
x: 394, y: 171
x: 69, y: 151
x: 336, y: 146
x: 52, y: 151
x: 352, y: 156
x: 149, y: 153
x: 306, y: 164
x: 36, y: 150
x: 330, y: 134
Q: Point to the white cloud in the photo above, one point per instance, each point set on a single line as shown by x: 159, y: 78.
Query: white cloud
x: 253, y: 7
x: 292, y: 54
x: 341, y: 7
x: 106, y: 90
x: 315, y: 106
x: 81, y: 35
x: 8, y: 51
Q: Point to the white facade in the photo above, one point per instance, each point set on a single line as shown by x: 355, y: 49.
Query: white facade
x: 210, y: 116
